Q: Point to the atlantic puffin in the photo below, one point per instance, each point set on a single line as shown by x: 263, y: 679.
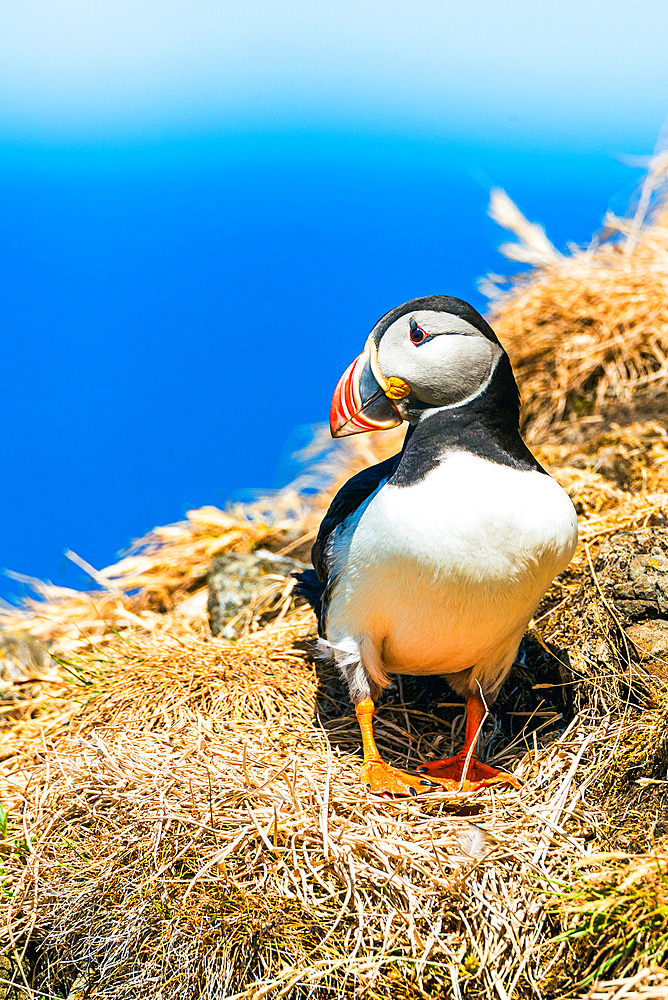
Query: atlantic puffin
x: 434, y: 561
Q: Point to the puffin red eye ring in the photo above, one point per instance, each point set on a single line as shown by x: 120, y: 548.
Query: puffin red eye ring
x: 417, y: 334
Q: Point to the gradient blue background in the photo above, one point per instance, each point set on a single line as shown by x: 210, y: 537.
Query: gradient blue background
x: 204, y: 207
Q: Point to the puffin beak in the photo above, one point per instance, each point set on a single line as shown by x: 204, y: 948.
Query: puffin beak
x: 363, y: 397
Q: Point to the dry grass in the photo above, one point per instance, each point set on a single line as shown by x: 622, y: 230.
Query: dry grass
x: 181, y: 815
x: 590, y: 328
x: 165, y: 574
x: 648, y: 984
x: 617, y: 910
x: 193, y: 804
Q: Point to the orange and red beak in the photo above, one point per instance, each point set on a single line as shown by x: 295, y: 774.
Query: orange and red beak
x: 361, y: 401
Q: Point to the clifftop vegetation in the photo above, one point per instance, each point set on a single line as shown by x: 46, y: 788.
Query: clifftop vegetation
x: 180, y: 813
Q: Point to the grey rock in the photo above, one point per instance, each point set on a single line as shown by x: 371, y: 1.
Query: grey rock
x: 247, y: 591
x: 632, y: 568
x: 632, y: 571
x: 635, y: 610
x: 648, y: 576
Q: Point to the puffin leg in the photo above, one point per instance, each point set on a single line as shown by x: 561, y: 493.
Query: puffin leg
x: 376, y: 775
x: 450, y: 771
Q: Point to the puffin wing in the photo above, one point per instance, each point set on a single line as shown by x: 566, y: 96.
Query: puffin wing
x: 315, y: 585
x: 351, y: 496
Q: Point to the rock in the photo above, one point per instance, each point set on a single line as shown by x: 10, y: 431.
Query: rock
x: 615, y: 624
x: 648, y: 576
x: 651, y: 641
x: 248, y: 590
x: 632, y: 570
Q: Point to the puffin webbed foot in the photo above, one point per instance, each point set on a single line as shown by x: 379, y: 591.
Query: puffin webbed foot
x: 450, y: 770
x: 383, y: 779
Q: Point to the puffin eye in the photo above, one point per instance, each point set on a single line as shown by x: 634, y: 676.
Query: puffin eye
x: 417, y: 333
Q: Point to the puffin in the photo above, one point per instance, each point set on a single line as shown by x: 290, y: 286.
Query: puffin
x: 434, y: 560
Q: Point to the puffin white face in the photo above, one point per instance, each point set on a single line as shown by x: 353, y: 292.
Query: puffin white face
x: 444, y: 359
x: 420, y: 356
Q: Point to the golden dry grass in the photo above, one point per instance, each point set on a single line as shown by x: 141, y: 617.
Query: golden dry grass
x: 590, y: 328
x: 171, y: 795
x: 648, y: 984
x: 193, y: 804
x: 184, y: 818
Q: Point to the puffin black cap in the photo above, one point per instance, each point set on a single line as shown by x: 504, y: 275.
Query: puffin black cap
x: 436, y: 303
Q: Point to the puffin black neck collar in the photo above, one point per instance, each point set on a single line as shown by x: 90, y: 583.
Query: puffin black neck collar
x: 487, y: 426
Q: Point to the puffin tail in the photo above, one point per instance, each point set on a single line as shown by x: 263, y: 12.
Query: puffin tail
x: 310, y: 588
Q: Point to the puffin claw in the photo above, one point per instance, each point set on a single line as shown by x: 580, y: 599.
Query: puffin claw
x: 479, y: 775
x: 382, y: 779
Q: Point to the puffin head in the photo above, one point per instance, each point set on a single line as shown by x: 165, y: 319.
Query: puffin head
x: 429, y: 353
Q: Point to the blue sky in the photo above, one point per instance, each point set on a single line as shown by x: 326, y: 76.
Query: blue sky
x: 205, y: 207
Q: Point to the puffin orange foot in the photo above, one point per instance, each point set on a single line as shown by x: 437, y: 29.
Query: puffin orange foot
x: 449, y: 773
x: 382, y: 779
